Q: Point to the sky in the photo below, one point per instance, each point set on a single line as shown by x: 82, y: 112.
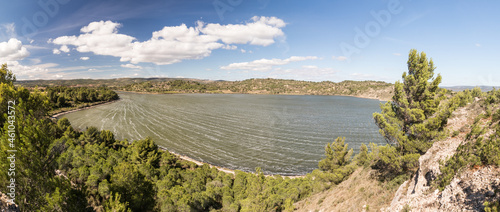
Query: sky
x: 320, y: 40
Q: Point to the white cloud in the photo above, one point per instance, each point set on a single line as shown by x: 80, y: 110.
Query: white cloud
x: 396, y: 54
x: 230, y: 47
x: 56, y: 51
x: 265, y: 64
x: 13, y: 50
x: 243, y: 51
x: 261, y: 31
x: 84, y: 58
x: 29, y: 72
x: 64, y: 48
x: 131, y: 66
x: 478, y: 45
x: 339, y: 58
x: 172, y: 44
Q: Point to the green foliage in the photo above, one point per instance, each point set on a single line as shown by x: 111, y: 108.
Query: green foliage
x: 477, y: 151
x: 337, y: 155
x: 336, y: 166
x: 406, y: 208
x: 391, y: 163
x: 6, y: 75
x: 268, y: 86
x: 496, y: 116
x: 63, y: 96
x: 362, y: 156
x: 491, y: 207
x: 114, y: 204
x: 405, y: 122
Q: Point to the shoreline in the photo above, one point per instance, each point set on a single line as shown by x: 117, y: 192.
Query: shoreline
x: 285, y: 94
x: 54, y: 116
x: 183, y: 157
x: 226, y: 170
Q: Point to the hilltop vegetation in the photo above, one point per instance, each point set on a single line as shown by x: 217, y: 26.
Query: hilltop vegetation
x: 368, y: 89
x: 373, y: 89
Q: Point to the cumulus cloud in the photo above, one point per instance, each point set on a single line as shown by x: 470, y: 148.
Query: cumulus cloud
x: 64, y: 48
x: 56, y: 51
x: 261, y: 31
x: 84, y: 58
x: 172, y: 44
x: 265, y: 64
x: 131, y: 66
x: 13, y: 50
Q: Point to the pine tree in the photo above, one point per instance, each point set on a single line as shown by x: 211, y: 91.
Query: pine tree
x: 404, y: 120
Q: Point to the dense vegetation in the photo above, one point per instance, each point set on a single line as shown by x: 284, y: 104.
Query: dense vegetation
x: 265, y: 86
x: 377, y: 89
x: 63, y: 96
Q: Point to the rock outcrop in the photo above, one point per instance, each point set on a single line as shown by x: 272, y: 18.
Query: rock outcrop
x: 5, y: 205
x: 466, y: 192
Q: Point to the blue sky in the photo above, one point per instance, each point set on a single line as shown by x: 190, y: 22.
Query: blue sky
x: 241, y: 39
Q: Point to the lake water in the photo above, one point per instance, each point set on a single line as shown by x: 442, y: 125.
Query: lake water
x: 281, y: 134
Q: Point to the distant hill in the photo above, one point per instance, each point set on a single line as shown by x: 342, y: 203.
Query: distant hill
x: 93, y: 82
x: 365, y: 89
x: 462, y: 88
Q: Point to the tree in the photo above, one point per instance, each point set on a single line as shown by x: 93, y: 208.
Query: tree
x: 403, y: 121
x: 337, y: 155
x: 6, y: 76
x: 362, y: 157
x: 61, y: 101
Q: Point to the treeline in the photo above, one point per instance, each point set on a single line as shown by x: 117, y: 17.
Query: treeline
x: 63, y: 96
x: 265, y: 86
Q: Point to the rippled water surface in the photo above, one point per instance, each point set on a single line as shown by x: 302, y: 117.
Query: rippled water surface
x: 281, y: 134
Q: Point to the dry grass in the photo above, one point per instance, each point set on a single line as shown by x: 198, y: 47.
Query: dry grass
x: 358, y: 193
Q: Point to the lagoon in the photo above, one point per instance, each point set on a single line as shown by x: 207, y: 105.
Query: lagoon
x: 282, y: 134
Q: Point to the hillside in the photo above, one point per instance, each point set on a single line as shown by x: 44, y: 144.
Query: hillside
x: 359, y: 192
x: 364, y: 89
x: 445, y: 185
x: 457, y: 173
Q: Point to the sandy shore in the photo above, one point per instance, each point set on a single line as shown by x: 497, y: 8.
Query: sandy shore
x: 226, y: 170
x: 83, y: 108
